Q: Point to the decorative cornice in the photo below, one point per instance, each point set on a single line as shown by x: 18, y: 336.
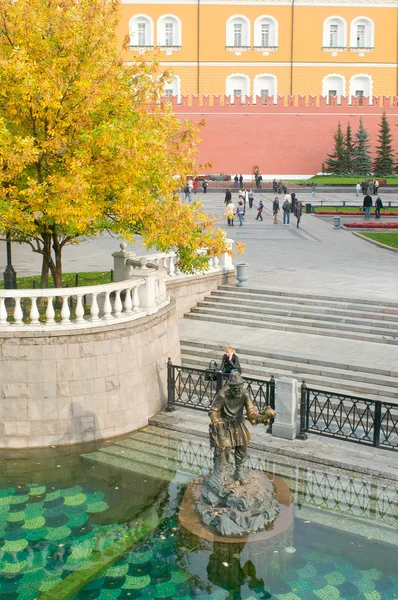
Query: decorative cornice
x: 297, y: 3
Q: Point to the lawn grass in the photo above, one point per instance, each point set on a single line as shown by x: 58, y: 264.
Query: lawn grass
x: 388, y: 239
x: 320, y: 209
x: 333, y: 180
x: 68, y: 279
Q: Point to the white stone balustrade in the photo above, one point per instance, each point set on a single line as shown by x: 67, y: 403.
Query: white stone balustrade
x: 126, y: 263
x: 112, y: 302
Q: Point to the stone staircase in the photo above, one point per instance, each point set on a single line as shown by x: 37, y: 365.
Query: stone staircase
x: 369, y: 321
x: 169, y: 455
x: 375, y: 383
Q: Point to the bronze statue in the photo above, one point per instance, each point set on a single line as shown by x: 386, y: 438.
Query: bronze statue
x: 238, y: 511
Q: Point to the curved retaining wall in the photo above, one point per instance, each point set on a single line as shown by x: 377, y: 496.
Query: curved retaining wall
x: 66, y: 387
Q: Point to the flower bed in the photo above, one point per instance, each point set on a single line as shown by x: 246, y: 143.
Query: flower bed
x: 372, y: 225
x: 352, y: 213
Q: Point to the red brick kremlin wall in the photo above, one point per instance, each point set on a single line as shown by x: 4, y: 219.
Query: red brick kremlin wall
x: 291, y: 136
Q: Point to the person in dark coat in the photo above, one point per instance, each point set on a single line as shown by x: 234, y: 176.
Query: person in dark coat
x: 204, y: 187
x: 367, y: 204
x: 379, y: 206
x: 230, y: 361
x: 228, y: 197
x: 241, y: 181
x: 293, y: 197
x: 236, y: 181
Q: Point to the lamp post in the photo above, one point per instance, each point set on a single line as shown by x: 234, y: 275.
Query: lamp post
x: 9, y: 275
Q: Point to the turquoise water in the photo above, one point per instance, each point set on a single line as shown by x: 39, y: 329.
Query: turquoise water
x: 72, y: 528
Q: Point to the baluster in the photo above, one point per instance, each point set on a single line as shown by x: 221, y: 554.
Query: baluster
x: 34, y: 312
x: 3, y: 313
x: 216, y: 262
x: 157, y: 292
x: 117, y: 305
x: 127, y: 302
x: 107, y: 307
x: 65, y: 311
x: 50, y: 312
x: 94, y: 310
x: 18, y: 314
x: 165, y: 262
x: 79, y: 311
x: 171, y: 269
x: 136, y: 300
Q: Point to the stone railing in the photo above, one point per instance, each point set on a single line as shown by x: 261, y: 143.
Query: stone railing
x: 84, y: 307
x: 127, y: 264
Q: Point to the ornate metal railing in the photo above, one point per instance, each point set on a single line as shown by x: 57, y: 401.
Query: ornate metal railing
x: 196, y: 388
x: 350, y: 418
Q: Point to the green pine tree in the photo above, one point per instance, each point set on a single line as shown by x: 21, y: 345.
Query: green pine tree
x: 361, y: 160
x: 384, y: 161
x: 349, y: 149
x: 335, y: 162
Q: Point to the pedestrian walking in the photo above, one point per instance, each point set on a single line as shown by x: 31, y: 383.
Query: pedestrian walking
x: 367, y: 203
x: 245, y: 199
x: 379, y: 206
x: 376, y: 186
x: 240, y: 212
x: 204, y: 186
x: 236, y: 181
x: 358, y: 189
x: 195, y: 185
x: 298, y: 211
x: 228, y: 197
x: 241, y: 181
x: 187, y: 193
x: 274, y: 186
x: 275, y: 210
x: 286, y: 209
x: 313, y: 185
x: 260, y: 211
x: 251, y: 198
x: 293, y: 201
x: 230, y: 213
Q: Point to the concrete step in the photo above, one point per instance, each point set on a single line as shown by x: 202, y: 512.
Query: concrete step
x: 364, y: 390
x: 345, y: 381
x: 306, y: 307
x: 219, y: 350
x: 294, y: 325
x: 373, y: 305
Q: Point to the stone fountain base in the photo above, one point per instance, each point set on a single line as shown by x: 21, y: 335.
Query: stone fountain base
x: 197, y: 505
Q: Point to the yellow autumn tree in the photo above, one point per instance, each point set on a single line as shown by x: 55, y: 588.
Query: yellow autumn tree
x: 85, y: 144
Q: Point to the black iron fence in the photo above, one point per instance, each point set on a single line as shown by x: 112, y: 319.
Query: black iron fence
x: 196, y: 388
x: 351, y: 418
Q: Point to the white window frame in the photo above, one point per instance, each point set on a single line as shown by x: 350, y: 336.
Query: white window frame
x: 231, y: 86
x: 354, y: 86
x: 326, y: 85
x: 369, y: 32
x: 133, y: 30
x: 230, y: 31
x: 161, y: 30
x: 341, y: 32
x: 258, y: 85
x: 273, y: 31
x: 173, y: 86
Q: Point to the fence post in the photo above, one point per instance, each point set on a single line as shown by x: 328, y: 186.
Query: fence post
x: 170, y: 386
x: 271, y: 400
x: 219, y: 381
x: 377, y: 424
x: 303, y: 412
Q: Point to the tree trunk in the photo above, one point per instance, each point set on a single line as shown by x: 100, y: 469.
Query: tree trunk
x: 45, y: 266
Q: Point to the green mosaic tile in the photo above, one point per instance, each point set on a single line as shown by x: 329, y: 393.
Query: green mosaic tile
x: 179, y: 576
x: 33, y: 510
x: 306, y: 572
x: 136, y: 583
x: 53, y: 495
x: 109, y: 594
x: 366, y: 586
x: 6, y: 493
x: 38, y: 490
x: 288, y: 596
x: 165, y: 590
x: 33, y: 535
x: 58, y: 533
x: 75, y: 500
x: 12, y: 567
x: 36, y: 523
x: 335, y: 578
x: 77, y: 520
x: 373, y: 574
x: 13, y: 517
x: 328, y: 593
x: 94, y: 497
x: 97, y: 507
x: 117, y: 571
x: 14, y: 546
x: 139, y: 558
x: 19, y: 499
x: 72, y: 491
x: 373, y: 596
x: 49, y: 582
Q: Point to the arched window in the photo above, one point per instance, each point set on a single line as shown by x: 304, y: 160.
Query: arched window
x: 361, y: 86
x: 264, y: 86
x: 361, y: 35
x: 141, y: 31
x: 237, y: 86
x: 334, y: 38
x: 265, y: 34
x: 238, y: 34
x: 169, y: 32
x: 333, y: 85
x: 172, y: 88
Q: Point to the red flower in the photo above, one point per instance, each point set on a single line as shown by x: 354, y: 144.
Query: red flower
x: 372, y: 225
